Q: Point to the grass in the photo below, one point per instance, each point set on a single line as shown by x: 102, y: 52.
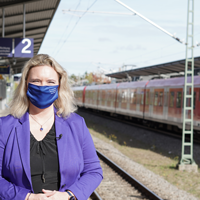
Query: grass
x: 149, y: 156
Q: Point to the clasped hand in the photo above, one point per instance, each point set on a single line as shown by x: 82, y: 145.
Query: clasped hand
x: 50, y: 195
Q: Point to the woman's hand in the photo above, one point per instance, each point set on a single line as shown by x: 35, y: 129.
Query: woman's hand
x: 40, y: 196
x: 55, y: 195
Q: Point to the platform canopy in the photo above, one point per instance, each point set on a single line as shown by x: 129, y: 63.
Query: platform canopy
x: 165, y: 68
x: 39, y: 14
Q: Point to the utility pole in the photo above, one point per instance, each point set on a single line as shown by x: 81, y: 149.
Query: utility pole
x: 187, y: 162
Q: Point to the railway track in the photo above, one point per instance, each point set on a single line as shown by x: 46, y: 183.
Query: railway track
x: 129, y: 122
x: 118, y: 184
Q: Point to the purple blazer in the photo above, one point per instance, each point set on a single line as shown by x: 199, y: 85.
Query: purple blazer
x: 80, y: 170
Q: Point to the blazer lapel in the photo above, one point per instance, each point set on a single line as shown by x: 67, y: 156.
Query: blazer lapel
x: 23, y: 137
x: 61, y: 141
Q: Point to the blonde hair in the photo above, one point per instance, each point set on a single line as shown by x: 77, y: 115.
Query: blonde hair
x: 65, y: 104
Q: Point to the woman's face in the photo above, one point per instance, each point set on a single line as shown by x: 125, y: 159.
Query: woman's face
x: 43, y: 75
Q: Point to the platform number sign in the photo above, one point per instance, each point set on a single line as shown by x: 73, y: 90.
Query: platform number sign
x: 24, y: 47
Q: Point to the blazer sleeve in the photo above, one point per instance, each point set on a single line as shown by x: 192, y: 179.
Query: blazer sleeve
x: 8, y: 190
x: 92, y: 173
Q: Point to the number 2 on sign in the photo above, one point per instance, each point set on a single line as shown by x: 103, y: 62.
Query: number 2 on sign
x: 24, y: 50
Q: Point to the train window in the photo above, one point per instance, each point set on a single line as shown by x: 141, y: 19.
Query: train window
x: 171, y: 100
x: 156, y: 99
x: 147, y: 98
x: 160, y: 103
x: 178, y: 99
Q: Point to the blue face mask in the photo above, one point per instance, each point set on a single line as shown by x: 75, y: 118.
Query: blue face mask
x: 42, y: 96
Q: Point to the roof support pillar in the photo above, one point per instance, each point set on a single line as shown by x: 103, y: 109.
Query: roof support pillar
x: 3, y: 22
x: 24, y: 20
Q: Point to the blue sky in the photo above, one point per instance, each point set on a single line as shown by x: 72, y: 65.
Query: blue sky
x: 109, y: 40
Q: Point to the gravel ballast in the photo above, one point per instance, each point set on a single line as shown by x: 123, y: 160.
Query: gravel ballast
x: 169, y: 146
x: 154, y: 182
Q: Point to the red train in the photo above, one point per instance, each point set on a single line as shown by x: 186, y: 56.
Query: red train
x: 155, y: 102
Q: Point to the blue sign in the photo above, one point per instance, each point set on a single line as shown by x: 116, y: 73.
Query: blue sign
x: 6, y: 47
x: 24, y: 47
x: 4, y: 69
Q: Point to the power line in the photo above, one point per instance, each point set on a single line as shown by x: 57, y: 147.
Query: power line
x: 98, y: 12
x: 66, y: 27
x: 75, y: 25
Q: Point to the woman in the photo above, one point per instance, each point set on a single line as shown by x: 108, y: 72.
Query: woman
x: 46, y: 151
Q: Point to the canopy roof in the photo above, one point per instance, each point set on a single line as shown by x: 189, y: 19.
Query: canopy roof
x: 165, y: 68
x: 39, y: 14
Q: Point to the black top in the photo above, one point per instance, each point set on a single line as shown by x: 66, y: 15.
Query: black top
x: 44, y: 162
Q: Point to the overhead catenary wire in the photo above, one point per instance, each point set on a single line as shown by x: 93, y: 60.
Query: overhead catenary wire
x: 98, y: 12
x: 66, y: 28
x: 154, y: 24
x: 75, y: 25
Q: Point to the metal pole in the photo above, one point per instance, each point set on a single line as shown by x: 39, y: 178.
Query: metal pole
x: 24, y: 20
x: 187, y: 156
x: 3, y: 22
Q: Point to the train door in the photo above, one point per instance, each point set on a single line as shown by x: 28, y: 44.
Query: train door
x: 166, y: 99
x: 112, y: 97
x: 100, y: 98
x: 86, y: 98
x: 142, y: 100
x: 158, y: 101
x: 147, y: 98
x: 118, y: 103
x: 90, y: 97
x: 95, y: 98
x: 115, y: 99
x: 103, y: 97
x: 151, y: 102
x: 133, y: 99
x: 175, y: 103
x: 178, y: 103
x: 171, y: 104
x: 108, y: 98
x: 124, y: 98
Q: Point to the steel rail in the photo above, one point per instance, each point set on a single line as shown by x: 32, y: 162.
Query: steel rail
x: 134, y: 182
x: 95, y: 196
